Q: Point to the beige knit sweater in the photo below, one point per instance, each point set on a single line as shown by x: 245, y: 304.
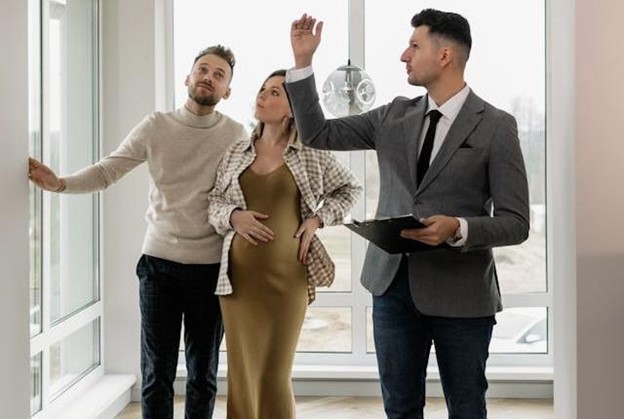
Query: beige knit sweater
x: 182, y: 151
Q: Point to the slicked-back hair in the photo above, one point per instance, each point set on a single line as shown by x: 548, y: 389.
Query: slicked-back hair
x: 448, y: 25
x: 219, y: 51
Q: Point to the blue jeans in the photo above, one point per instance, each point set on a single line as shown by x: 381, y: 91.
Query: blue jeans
x: 169, y: 293
x: 403, y: 339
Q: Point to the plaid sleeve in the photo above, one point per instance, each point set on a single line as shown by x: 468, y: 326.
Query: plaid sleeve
x: 340, y: 190
x: 221, y: 205
x: 224, y: 286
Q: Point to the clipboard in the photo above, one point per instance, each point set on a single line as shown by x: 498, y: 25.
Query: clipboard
x: 385, y: 233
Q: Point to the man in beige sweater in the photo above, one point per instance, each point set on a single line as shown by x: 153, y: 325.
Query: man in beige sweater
x: 181, y: 251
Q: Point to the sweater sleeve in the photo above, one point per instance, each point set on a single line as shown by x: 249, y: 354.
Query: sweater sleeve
x: 130, y: 153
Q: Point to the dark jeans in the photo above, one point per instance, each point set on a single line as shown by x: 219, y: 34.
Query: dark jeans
x: 403, y: 339
x: 169, y: 293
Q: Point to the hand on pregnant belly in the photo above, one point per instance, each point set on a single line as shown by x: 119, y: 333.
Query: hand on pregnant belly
x: 249, y: 226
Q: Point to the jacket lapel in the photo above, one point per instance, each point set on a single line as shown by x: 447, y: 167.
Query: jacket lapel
x: 412, y: 125
x: 468, y: 118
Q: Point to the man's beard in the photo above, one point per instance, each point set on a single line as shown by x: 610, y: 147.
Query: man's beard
x: 207, y: 100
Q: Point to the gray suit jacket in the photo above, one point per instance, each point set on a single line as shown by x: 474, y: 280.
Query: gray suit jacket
x: 478, y: 174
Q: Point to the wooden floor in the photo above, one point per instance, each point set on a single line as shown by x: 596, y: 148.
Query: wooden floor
x: 371, y: 408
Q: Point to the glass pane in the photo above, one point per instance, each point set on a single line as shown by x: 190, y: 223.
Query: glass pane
x: 337, y: 241
x: 521, y: 330
x: 517, y: 330
x: 35, y: 383
x: 370, y: 339
x: 34, y: 128
x: 35, y: 261
x: 326, y: 329
x: 508, y: 72
x: 74, y: 356
x: 69, y: 140
x: 522, y: 268
x: 254, y: 60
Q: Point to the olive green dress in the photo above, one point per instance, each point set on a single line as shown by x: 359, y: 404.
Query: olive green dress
x: 264, y: 315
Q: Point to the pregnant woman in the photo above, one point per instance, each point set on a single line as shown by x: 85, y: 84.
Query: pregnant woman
x: 270, y: 196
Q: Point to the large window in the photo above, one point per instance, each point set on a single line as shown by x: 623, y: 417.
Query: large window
x: 64, y: 295
x: 507, y: 68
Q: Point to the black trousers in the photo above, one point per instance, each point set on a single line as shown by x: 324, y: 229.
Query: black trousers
x: 170, y: 293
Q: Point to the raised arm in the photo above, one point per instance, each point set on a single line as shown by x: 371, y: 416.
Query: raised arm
x: 304, y: 39
x: 350, y: 133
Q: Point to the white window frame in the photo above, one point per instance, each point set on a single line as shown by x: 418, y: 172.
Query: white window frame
x: 53, y: 332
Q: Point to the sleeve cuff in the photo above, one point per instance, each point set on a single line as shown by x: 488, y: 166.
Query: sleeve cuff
x: 461, y: 234
x: 296, y: 74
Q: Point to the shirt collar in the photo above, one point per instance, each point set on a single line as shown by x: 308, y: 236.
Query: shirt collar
x: 450, y: 109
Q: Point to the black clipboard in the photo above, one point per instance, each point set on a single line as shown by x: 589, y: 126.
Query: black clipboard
x: 385, y: 233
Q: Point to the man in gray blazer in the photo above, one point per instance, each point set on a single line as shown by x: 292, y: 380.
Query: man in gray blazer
x: 455, y: 161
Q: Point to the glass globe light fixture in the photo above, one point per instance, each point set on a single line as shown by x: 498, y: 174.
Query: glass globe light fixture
x: 348, y: 91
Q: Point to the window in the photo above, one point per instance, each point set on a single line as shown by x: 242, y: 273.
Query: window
x: 63, y: 87
x: 509, y: 74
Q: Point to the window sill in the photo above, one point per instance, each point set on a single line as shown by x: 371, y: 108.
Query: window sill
x: 104, y: 398
x: 342, y: 372
x: 363, y: 381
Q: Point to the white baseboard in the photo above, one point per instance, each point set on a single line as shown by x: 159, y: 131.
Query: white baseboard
x: 504, y: 382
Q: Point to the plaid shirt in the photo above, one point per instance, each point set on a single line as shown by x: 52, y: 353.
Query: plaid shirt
x: 326, y: 187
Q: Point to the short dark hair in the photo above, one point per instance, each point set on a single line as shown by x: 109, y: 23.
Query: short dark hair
x: 219, y: 51
x: 446, y: 24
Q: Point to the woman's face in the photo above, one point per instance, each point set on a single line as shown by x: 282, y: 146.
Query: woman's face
x: 272, y: 103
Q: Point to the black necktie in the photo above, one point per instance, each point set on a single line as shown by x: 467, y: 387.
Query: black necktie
x: 425, y: 151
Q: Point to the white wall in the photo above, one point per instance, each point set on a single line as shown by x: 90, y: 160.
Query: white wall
x: 600, y: 207
x: 128, y: 94
x: 14, y: 284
